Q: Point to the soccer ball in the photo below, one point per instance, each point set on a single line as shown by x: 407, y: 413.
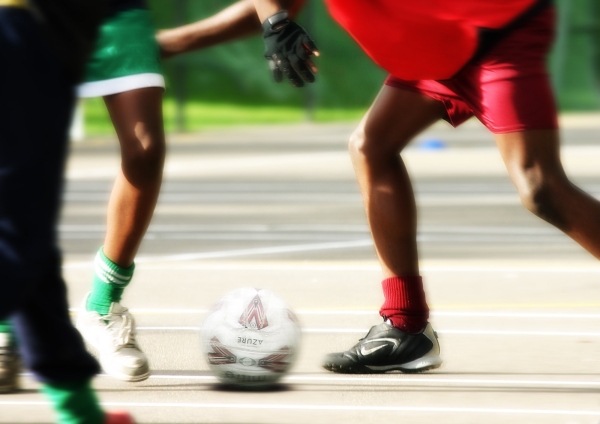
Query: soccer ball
x: 250, y: 338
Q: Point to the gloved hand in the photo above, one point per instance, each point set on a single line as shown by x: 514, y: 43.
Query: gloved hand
x: 288, y: 49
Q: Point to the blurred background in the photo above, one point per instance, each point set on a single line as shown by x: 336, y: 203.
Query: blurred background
x: 230, y: 84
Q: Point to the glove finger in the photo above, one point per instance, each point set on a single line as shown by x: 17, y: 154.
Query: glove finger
x: 301, y: 68
x: 309, y: 45
x: 277, y: 74
x: 301, y: 50
x: 288, y: 70
x: 311, y: 65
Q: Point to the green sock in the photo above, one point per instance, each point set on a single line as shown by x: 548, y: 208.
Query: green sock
x: 6, y: 328
x: 108, y: 284
x: 74, y: 402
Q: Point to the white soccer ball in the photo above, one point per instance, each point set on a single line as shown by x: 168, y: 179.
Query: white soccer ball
x: 250, y: 338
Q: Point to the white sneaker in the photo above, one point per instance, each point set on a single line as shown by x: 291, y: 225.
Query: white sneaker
x: 113, y: 337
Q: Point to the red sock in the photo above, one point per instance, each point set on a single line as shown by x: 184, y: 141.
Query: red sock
x: 405, y: 304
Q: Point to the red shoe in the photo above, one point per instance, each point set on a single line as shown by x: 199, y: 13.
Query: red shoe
x: 118, y: 418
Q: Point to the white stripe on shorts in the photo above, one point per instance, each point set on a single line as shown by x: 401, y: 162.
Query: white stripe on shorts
x: 119, y: 85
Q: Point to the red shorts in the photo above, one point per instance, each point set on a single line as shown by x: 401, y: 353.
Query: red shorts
x: 507, y: 88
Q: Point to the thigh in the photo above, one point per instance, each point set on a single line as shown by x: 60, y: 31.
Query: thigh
x: 137, y: 117
x: 531, y: 157
x: 396, y: 116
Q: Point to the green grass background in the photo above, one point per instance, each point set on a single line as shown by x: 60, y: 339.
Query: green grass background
x: 203, y: 115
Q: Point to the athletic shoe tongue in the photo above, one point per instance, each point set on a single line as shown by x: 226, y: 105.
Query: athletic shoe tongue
x: 116, y: 308
x: 377, y: 329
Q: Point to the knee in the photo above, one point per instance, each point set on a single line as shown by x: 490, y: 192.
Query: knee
x: 539, y: 195
x: 143, y: 157
x: 356, y: 144
x: 366, y: 147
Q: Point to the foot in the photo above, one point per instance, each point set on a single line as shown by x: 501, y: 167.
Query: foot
x: 113, y: 337
x: 118, y: 418
x: 385, y: 348
x: 9, y: 365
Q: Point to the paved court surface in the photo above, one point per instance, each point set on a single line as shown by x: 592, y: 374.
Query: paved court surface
x: 515, y: 302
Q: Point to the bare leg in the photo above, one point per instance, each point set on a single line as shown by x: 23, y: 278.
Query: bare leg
x: 393, y: 120
x: 533, y: 162
x: 104, y: 323
x: 137, y: 117
x: 395, y: 117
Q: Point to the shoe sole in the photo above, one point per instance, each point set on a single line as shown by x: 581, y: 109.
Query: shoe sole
x: 10, y: 385
x: 116, y: 373
x: 413, y: 367
x: 123, y: 376
x: 8, y: 390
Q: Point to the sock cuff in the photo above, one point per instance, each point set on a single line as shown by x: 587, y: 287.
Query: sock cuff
x: 405, y: 303
x: 404, y: 292
x: 111, y: 273
x: 75, y: 402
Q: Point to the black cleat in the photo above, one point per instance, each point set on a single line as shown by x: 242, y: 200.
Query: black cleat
x: 385, y: 348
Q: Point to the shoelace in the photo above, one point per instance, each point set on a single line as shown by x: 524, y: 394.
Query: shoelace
x: 123, y: 334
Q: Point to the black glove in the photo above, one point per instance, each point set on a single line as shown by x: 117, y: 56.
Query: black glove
x: 288, y: 49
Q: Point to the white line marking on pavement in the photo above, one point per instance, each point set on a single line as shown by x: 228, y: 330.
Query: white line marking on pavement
x: 469, y: 314
x: 153, y: 262
x: 143, y: 311
x: 168, y: 328
x: 443, y: 332
x: 514, y: 315
x: 492, y: 268
x: 314, y: 228
x: 400, y: 379
x: 521, y: 333
x: 242, y: 252
x: 425, y: 380
x: 344, y: 408
x: 260, y: 251
x: 469, y: 332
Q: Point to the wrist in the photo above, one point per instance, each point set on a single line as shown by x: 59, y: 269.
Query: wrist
x: 276, y: 21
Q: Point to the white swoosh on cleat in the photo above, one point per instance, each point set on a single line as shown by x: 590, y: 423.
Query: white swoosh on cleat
x: 365, y: 352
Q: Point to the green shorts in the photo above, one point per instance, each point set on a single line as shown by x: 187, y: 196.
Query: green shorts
x: 127, y: 56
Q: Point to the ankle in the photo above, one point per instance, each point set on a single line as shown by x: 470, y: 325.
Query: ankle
x: 74, y: 402
x: 405, y: 305
x: 108, y: 284
x: 406, y: 325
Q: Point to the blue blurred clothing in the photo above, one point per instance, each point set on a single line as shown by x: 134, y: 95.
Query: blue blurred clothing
x: 36, y: 102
